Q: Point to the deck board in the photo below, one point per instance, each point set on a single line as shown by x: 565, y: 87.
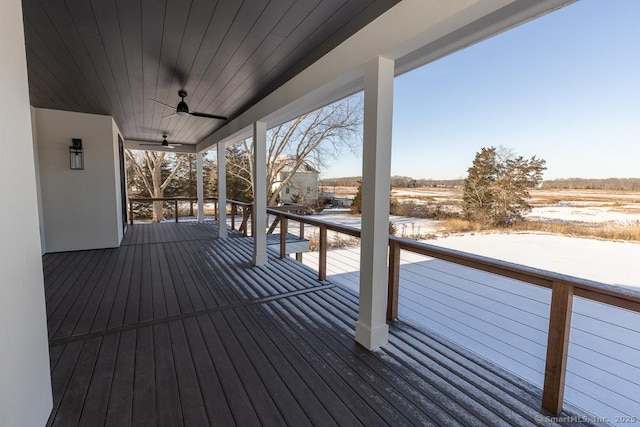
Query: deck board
x: 119, y: 407
x: 193, y: 407
x: 236, y: 396
x: 177, y: 328
x: 100, y: 387
x: 144, y: 387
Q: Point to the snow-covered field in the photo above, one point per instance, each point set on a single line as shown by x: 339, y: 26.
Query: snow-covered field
x: 590, y: 214
x: 615, y: 263
x: 406, y: 227
x: 506, y: 321
x: 589, y: 206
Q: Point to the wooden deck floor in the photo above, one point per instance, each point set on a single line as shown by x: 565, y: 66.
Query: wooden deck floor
x: 177, y: 328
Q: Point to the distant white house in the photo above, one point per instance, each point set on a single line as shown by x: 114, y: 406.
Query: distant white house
x: 303, y: 185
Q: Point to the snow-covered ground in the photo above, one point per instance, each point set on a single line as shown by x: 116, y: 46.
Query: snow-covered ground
x: 506, y: 321
x: 590, y: 214
x: 615, y: 263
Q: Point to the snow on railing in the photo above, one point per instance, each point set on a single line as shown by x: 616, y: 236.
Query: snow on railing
x: 545, y: 311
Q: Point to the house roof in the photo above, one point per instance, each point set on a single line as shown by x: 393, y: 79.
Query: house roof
x: 289, y: 162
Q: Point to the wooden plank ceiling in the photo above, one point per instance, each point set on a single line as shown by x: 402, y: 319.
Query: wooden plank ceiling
x: 114, y: 56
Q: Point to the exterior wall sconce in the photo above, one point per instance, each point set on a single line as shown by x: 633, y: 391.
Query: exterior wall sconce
x: 76, y: 154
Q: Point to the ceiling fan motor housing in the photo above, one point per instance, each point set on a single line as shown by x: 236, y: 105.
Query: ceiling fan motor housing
x: 182, y: 107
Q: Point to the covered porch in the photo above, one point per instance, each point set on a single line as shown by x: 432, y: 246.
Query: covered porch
x: 167, y: 324
x: 176, y: 327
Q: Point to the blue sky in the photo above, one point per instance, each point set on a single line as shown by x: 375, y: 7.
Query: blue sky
x: 564, y: 87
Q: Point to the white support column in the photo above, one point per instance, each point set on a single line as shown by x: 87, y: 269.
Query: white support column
x: 25, y: 382
x: 259, y: 193
x: 200, y: 187
x: 371, y: 329
x: 222, y: 190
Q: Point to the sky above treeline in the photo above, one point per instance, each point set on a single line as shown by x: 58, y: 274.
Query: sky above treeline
x: 564, y: 87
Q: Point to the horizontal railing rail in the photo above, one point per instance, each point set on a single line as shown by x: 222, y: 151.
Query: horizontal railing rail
x: 246, y: 209
x: 284, y: 217
x: 612, y: 295
x: 563, y: 289
x: 175, y: 201
x: 296, y: 209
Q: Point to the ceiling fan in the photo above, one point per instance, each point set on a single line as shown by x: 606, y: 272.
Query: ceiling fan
x: 164, y: 143
x: 182, y: 109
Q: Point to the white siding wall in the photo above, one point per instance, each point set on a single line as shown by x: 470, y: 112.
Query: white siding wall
x: 115, y: 131
x: 298, y: 185
x: 36, y: 161
x: 81, y: 208
x: 25, y: 385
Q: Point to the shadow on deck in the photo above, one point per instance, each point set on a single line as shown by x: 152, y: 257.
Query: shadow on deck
x: 176, y: 328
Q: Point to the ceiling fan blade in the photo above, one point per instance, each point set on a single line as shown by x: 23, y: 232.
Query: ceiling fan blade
x: 151, y: 143
x: 162, y: 103
x: 168, y: 115
x: 170, y: 146
x: 208, y: 116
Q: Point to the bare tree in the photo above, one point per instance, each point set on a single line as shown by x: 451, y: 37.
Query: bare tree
x: 314, y: 138
x: 149, y: 166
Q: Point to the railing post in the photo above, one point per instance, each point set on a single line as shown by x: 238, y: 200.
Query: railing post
x: 245, y: 221
x: 233, y: 216
x: 131, y: 212
x: 215, y: 209
x: 557, y: 347
x: 394, y: 280
x: 299, y: 254
x: 175, y: 206
x: 284, y: 222
x: 322, y: 260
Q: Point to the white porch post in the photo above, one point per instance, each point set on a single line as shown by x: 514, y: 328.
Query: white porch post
x: 222, y: 190
x: 25, y: 382
x: 371, y: 329
x: 259, y: 193
x: 200, y: 187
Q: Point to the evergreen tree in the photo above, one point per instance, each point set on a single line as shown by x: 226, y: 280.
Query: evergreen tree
x: 496, y: 190
x: 356, y: 207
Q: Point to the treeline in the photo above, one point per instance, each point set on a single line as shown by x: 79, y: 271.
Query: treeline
x: 616, y: 184
x: 396, y: 182
x: 612, y: 184
x: 348, y: 181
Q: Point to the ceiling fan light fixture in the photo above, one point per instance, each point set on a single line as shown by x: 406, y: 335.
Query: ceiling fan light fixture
x: 182, y: 108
